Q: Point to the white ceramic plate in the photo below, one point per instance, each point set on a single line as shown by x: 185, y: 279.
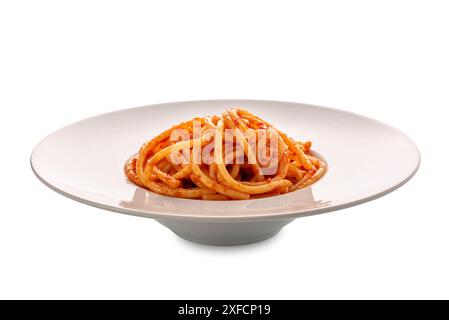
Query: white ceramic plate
x: 366, y: 158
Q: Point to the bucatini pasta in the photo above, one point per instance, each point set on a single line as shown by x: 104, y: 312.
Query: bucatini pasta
x: 236, y: 155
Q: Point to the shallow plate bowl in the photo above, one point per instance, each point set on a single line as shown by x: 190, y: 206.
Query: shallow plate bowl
x: 366, y: 158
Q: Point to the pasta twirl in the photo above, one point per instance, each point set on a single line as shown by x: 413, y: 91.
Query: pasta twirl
x: 234, y: 156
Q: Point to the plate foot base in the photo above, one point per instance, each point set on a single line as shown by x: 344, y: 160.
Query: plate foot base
x: 226, y: 233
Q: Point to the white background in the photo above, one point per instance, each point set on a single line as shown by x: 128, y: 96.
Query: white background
x: 62, y: 61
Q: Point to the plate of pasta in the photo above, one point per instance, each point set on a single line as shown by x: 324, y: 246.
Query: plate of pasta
x: 225, y: 172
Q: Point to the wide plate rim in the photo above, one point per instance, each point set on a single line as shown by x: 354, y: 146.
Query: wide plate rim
x: 148, y: 213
